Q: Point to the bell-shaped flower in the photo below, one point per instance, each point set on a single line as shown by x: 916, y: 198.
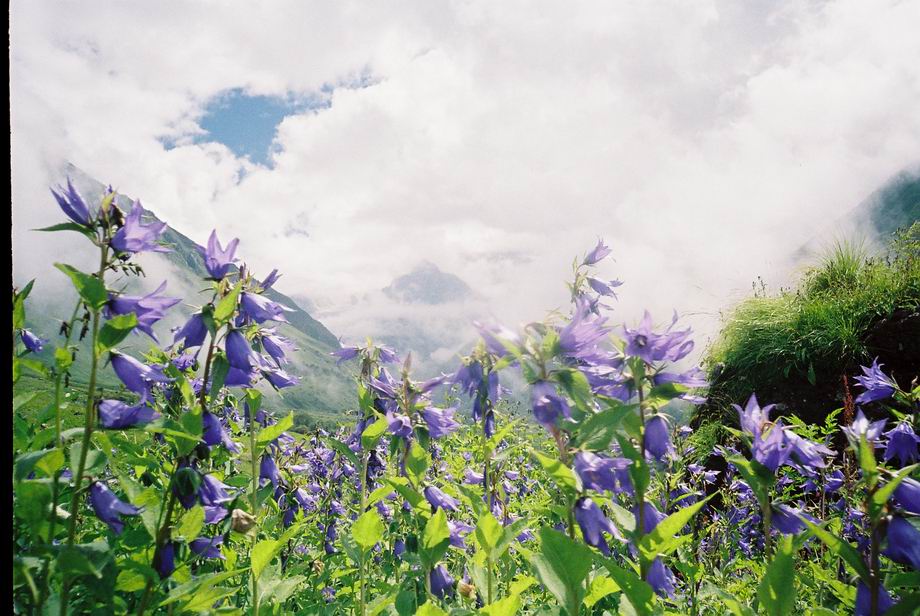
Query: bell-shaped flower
x: 661, y: 579
x: 547, y: 404
x: 593, y: 524
x: 207, y: 547
x: 399, y: 425
x: 276, y: 346
x: 441, y: 582
x: 109, y: 508
x: 135, y: 236
x: 597, y: 253
x: 148, y: 308
x: 440, y: 421
x: 599, y: 472
x: 903, y: 542
x: 116, y: 415
x: 279, y: 379
x: 193, y: 333
x: 862, y: 427
x: 658, y: 437
x: 268, y: 471
x: 788, y: 520
x: 218, y: 260
x: 213, y: 433
x: 165, y: 561
x: 877, y: 384
x: 136, y: 376
x: 439, y: 499
x: 458, y: 530
x: 72, y: 204
x: 864, y: 600
x: 902, y: 444
x: 32, y: 342
x: 260, y: 309
x: 907, y: 495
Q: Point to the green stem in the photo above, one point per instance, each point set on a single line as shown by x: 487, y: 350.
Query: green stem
x: 89, y: 424
x: 162, y: 534
x: 254, y: 502
x: 361, y: 571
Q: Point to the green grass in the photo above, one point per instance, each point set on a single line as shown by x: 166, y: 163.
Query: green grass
x: 813, y: 334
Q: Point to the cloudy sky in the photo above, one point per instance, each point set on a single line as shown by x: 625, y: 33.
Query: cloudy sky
x: 347, y: 142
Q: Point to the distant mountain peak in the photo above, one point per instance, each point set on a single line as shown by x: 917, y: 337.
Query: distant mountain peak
x: 427, y: 284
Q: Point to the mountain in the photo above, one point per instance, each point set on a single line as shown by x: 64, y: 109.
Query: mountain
x: 427, y: 284
x: 896, y: 205
x: 325, y: 390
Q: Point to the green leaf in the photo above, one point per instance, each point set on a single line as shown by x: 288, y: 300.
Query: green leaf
x: 640, y: 594
x: 416, y: 462
x: 489, y: 532
x: 191, y: 523
x: 90, y: 288
x: 562, y: 566
x: 343, y: 449
x: 777, y: 589
x: 372, y: 434
x: 597, y: 431
x: 114, y: 331
x: 51, y: 462
x: 561, y: 473
x: 368, y: 529
x: 436, y: 530
x: 68, y: 226
x: 262, y: 553
x: 842, y: 549
x: 95, y: 460
x: 600, y: 587
x: 656, y: 542
x: 882, y: 495
x: 430, y: 609
x: 227, y: 304
x: 84, y: 559
x: 270, y: 433
x: 503, y: 607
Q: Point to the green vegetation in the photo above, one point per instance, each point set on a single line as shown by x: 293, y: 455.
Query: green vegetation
x: 797, y: 346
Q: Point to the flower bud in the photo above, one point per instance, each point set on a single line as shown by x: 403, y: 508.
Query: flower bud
x: 241, y: 522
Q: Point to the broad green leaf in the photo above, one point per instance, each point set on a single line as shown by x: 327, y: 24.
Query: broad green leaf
x: 561, y: 473
x: 436, y: 530
x: 597, y: 431
x: 227, y: 304
x: 430, y: 609
x: 416, y: 462
x: 489, y: 532
x: 191, y: 523
x: 640, y: 594
x: 368, y: 529
x: 114, y: 331
x: 270, y: 433
x: 562, y: 565
x: 372, y: 433
x: 262, y: 553
x: 777, y: 589
x: 503, y: 607
x: 600, y: 587
x: 90, y: 288
x: 653, y: 543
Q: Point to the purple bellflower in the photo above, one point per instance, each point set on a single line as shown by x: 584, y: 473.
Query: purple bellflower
x: 32, y: 342
x: 598, y: 472
x: 116, y: 415
x: 877, y: 384
x: 902, y: 444
x: 136, y: 376
x: 109, y: 508
x: 260, y: 309
x: 135, y: 236
x: 597, y: 253
x: 548, y: 405
x: 72, y: 204
x: 148, y: 308
x: 218, y: 260
x: 439, y: 499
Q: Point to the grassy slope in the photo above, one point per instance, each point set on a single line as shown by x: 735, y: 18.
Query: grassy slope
x: 796, y: 347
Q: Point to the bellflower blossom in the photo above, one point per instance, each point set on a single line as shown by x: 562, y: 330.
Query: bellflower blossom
x: 877, y: 384
x: 260, y: 309
x: 136, y: 376
x: 597, y: 253
x: 598, y: 472
x: 653, y: 347
x: 862, y: 427
x: 547, y: 404
x: 658, y: 438
x: 72, y: 204
x: 439, y: 499
x: 218, y: 260
x: 33, y: 343
x: 441, y: 582
x: 135, y: 236
x: 109, y: 508
x: 192, y: 333
x: 902, y: 444
x: 440, y: 421
x: 116, y: 415
x: 207, y: 547
x: 593, y: 523
x: 148, y: 308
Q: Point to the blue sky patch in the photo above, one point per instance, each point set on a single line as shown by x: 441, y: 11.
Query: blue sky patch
x: 246, y: 124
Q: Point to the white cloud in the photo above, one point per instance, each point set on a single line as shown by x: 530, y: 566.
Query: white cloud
x: 704, y: 140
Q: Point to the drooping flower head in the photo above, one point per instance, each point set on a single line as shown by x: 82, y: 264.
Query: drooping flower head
x: 116, y: 415
x: 136, y: 376
x: 600, y: 473
x: 902, y: 444
x: 148, y: 308
x: 597, y: 253
x: 109, y: 508
x: 33, y: 343
x: 547, y: 404
x: 593, y: 524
